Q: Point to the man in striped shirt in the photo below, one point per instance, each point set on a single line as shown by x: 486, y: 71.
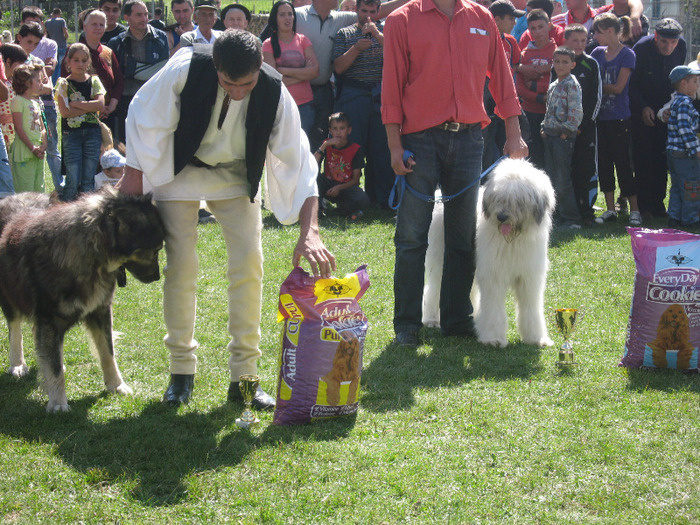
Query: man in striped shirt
x: 357, y: 62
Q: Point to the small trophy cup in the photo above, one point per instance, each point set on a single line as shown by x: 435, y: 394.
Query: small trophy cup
x: 566, y: 321
x: 248, y: 383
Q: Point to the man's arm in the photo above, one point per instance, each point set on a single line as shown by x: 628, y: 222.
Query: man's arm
x: 131, y: 182
x: 636, y: 13
x: 310, y: 246
x: 515, y: 146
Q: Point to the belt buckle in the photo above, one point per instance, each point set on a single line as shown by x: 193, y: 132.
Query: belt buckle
x: 454, y: 127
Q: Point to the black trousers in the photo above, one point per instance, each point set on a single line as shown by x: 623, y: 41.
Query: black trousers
x: 649, y: 157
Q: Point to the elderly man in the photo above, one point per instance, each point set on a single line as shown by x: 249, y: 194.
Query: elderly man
x: 438, y: 118
x: 205, y: 16
x: 650, y: 89
x: 236, y: 16
x: 141, y: 51
x: 202, y: 129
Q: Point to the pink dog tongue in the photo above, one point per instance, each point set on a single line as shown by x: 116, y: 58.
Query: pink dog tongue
x: 505, y: 229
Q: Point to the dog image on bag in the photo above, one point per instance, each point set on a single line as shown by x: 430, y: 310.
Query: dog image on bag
x: 346, y: 366
x: 59, y: 265
x: 512, y: 236
x: 673, y: 333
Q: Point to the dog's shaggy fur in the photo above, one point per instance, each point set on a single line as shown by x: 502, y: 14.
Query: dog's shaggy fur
x: 673, y: 333
x: 59, y: 265
x: 346, y: 368
x: 512, y: 234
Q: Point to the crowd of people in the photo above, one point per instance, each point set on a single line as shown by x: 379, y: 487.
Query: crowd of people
x: 435, y: 93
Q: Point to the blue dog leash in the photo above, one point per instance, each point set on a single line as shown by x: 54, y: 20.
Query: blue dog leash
x: 400, y: 186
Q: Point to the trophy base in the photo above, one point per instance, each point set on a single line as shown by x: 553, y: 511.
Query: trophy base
x: 566, y: 357
x: 245, y: 423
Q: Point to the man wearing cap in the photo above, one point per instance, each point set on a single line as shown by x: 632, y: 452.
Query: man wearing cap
x: 202, y: 129
x: 205, y: 16
x: 141, y: 51
x: 236, y: 16
x: 438, y: 118
x: 650, y: 89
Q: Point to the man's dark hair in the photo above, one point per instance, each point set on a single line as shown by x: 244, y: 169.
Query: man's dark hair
x: 14, y: 53
x: 32, y: 11
x: 575, y: 28
x: 546, y: 5
x: 130, y: 5
x: 31, y: 28
x: 181, y: 2
x: 158, y: 11
x: 237, y: 53
x: 566, y: 51
x: 537, y: 14
x: 378, y: 3
x: 103, y: 2
x: 56, y: 12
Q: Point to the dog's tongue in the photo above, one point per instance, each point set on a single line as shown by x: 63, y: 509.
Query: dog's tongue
x: 505, y: 229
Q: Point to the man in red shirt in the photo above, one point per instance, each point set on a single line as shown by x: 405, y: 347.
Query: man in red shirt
x: 432, y: 106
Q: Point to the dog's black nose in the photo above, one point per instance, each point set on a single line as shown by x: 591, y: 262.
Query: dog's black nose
x: 502, y: 217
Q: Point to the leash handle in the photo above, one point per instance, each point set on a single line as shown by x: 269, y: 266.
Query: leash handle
x: 400, y: 186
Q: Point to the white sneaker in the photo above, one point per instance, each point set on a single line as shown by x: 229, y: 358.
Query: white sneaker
x: 608, y: 216
x: 635, y: 218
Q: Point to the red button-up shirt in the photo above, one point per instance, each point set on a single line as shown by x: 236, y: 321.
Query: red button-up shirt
x: 435, y: 68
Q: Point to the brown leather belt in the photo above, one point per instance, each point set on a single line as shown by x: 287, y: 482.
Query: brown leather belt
x: 454, y: 127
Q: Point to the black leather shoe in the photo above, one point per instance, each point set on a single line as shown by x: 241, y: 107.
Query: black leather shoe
x: 261, y: 401
x: 179, y: 390
x: 407, y: 338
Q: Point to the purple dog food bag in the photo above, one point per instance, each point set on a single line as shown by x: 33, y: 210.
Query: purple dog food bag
x: 322, y: 344
x: 664, y: 325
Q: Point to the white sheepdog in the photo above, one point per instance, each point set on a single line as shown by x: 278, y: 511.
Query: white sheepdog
x: 512, y: 235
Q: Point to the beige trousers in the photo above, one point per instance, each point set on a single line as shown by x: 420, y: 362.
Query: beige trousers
x: 241, y: 225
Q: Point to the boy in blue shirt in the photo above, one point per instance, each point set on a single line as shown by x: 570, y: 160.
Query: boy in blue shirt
x: 683, y: 150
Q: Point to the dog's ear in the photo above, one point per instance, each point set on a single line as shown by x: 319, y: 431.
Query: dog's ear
x: 543, y: 207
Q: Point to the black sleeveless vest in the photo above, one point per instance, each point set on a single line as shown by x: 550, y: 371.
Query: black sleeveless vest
x: 197, y: 100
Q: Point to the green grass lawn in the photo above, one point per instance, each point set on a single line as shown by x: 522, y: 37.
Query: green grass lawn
x: 451, y: 432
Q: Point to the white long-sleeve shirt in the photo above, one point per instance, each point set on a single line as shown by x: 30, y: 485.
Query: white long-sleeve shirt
x: 154, y: 113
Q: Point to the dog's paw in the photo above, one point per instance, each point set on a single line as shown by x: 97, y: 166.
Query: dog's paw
x: 123, y: 389
x: 493, y: 341
x: 18, y: 371
x: 544, y: 342
x: 54, y: 409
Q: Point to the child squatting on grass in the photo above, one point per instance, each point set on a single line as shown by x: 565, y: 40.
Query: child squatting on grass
x: 339, y: 182
x: 683, y: 149
x: 29, y: 147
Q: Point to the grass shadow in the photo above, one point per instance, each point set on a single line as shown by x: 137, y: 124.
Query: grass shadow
x: 663, y: 380
x: 390, y: 379
x: 151, y: 453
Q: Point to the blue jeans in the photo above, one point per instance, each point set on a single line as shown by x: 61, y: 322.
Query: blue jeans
x: 81, y: 154
x: 53, y: 158
x: 558, y: 155
x: 364, y: 109
x: 323, y: 105
x: 684, y: 168
x: 7, y: 187
x: 307, y: 114
x: 57, y: 71
x: 452, y: 161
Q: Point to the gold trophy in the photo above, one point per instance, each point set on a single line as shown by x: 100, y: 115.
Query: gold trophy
x: 566, y: 321
x: 248, y: 383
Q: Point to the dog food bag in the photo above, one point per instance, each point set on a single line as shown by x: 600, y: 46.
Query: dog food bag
x: 664, y: 325
x: 322, y: 342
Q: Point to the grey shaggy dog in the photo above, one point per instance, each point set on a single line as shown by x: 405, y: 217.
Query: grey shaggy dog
x: 58, y: 266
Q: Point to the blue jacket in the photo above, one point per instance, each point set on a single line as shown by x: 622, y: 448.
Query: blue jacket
x: 156, y: 49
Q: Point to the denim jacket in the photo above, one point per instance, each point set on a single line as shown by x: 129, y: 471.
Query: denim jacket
x: 156, y: 49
